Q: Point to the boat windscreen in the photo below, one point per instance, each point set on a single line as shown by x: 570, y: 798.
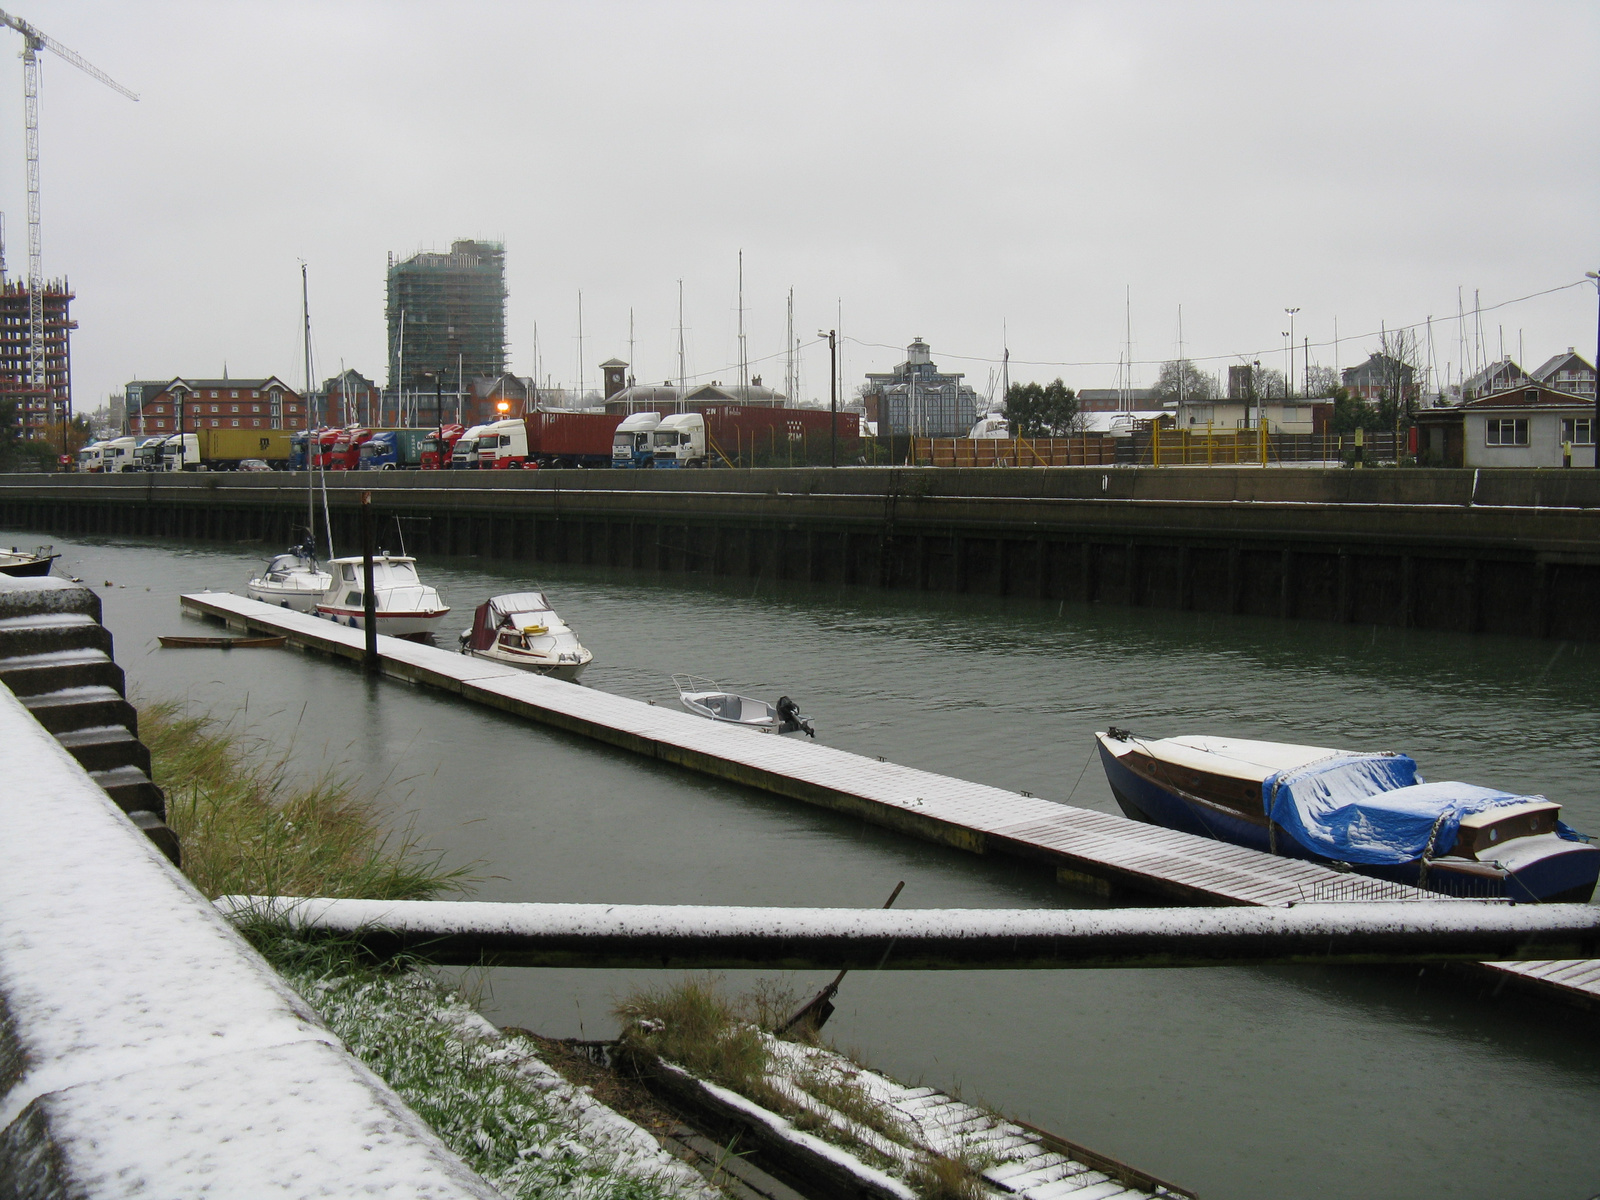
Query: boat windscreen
x: 1373, y: 809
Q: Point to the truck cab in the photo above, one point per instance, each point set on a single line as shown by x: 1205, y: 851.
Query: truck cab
x: 465, y: 455
x: 147, y: 454
x: 89, y: 458
x: 438, y: 446
x: 503, y: 444
x: 680, y: 441
x: 630, y: 445
x: 381, y: 451
x: 346, y: 452
x: 117, y: 454
x: 181, y: 452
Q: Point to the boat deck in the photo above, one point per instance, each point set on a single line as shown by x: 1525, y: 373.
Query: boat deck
x: 1110, y: 854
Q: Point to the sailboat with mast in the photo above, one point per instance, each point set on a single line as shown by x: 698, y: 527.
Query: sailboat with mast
x: 293, y: 579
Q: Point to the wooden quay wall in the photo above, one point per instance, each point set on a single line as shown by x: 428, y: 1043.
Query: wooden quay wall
x: 1512, y: 552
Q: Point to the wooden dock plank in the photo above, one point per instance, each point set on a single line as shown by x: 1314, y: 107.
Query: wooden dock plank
x: 970, y: 816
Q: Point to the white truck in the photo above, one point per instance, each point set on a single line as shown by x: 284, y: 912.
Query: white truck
x: 118, y: 454
x: 180, y: 452
x: 465, y: 455
x: 630, y: 445
x: 89, y: 457
x: 502, y: 444
x: 680, y: 441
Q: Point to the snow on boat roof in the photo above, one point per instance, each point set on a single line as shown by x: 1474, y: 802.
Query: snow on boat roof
x: 1239, y: 758
x: 377, y: 558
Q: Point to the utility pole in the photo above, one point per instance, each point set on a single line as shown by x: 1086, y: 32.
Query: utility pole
x: 1288, y: 380
x: 833, y: 396
x: 683, y: 379
x: 1594, y: 424
x: 369, y: 601
x: 744, y: 360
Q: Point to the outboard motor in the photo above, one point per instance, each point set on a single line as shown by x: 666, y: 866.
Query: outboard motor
x: 790, y: 720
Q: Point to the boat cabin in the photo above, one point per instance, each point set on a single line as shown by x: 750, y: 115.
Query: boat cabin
x: 510, y: 621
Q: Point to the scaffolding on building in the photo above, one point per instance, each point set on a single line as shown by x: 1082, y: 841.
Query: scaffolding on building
x: 42, y: 405
x: 446, y: 314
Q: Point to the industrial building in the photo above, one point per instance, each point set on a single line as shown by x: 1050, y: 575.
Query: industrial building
x: 917, y: 398
x: 47, y: 402
x: 446, y: 313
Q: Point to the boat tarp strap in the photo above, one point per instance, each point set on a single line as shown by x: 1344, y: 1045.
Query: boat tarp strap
x: 1373, y: 809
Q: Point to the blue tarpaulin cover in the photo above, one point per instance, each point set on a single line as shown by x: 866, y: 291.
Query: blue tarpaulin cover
x: 1373, y: 809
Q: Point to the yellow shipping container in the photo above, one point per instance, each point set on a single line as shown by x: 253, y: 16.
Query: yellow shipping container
x: 227, y: 447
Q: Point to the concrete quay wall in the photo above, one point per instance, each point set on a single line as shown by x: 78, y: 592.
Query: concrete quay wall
x: 1514, y: 552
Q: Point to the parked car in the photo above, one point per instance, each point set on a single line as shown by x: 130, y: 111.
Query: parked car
x: 253, y: 464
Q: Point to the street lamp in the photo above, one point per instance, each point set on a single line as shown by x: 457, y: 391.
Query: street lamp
x: 833, y: 397
x: 1288, y: 362
x: 1594, y: 424
x: 1288, y: 380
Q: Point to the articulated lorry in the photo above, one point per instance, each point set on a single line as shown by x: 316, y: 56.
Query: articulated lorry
x: 548, y: 439
x: 726, y: 434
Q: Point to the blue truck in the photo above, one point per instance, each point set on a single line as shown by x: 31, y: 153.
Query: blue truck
x: 394, y: 450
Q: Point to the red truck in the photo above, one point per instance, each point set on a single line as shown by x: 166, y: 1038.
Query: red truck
x: 345, y: 454
x: 436, y: 447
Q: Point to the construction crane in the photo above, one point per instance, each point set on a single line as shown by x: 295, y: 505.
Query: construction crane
x: 33, y: 41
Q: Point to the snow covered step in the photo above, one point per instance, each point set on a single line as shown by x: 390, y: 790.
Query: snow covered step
x: 131, y: 790
x: 27, y: 675
x: 81, y: 707
x: 105, y: 748
x: 52, y: 631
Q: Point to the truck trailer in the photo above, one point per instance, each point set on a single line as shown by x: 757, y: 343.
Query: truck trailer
x: 549, y: 439
x: 394, y: 449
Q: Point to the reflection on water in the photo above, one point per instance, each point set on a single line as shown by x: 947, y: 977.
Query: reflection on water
x: 1239, y: 1083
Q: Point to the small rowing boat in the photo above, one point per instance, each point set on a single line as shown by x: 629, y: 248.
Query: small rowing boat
x: 175, y: 642
x: 21, y: 563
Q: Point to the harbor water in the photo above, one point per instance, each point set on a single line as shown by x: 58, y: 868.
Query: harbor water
x: 1244, y: 1083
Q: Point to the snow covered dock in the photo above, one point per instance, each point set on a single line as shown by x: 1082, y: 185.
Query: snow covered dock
x: 1084, y: 847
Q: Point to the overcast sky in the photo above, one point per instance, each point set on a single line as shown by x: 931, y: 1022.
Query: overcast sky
x: 940, y: 170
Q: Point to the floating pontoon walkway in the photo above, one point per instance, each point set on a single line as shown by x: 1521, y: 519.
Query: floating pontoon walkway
x: 1086, y: 848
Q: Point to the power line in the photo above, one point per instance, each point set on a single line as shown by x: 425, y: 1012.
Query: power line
x: 1245, y: 355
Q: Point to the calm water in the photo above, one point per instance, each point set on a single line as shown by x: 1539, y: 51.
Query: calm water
x: 1236, y: 1082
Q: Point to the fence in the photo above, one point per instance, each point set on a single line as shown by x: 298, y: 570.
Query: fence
x: 1163, y: 448
x: 1230, y: 447
x: 1091, y: 449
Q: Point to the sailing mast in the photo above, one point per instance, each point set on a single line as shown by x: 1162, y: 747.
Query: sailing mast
x: 683, y: 382
x: 311, y: 494
x: 744, y: 361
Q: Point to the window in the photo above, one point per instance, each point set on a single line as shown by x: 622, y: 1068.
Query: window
x: 234, y: 408
x: 255, y: 424
x: 234, y: 395
x: 213, y: 408
x: 214, y: 421
x: 1578, y: 430
x: 255, y: 408
x: 1506, y: 431
x: 255, y: 393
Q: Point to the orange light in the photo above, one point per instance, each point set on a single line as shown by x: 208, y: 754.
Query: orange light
x: 503, y: 406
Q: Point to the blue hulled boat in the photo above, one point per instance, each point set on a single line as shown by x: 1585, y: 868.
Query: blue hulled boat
x: 1370, y: 812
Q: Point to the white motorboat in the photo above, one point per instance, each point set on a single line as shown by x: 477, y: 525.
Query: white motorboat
x: 21, y: 563
x: 523, y: 631
x: 707, y: 698
x: 405, y: 606
x: 292, y: 580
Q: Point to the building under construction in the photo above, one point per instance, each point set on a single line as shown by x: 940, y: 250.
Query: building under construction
x: 44, y: 403
x: 447, y: 313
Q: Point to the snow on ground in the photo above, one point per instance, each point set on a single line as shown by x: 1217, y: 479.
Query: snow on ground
x: 492, y: 1100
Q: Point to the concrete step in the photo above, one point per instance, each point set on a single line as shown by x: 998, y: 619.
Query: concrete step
x: 132, y: 790
x: 106, y: 747
x: 28, y: 675
x: 156, y: 830
x: 47, y: 632
x: 81, y: 707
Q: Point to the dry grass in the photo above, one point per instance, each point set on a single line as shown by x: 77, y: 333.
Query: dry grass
x: 247, y: 829
x: 693, y: 1025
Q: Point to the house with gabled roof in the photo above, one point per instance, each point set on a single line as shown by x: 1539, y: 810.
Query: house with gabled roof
x: 1567, y: 373
x: 1502, y: 376
x: 1529, y: 426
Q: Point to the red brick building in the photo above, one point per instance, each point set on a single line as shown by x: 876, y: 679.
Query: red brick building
x: 42, y: 405
x: 215, y: 404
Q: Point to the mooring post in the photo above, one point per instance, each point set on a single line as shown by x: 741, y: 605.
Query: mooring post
x: 369, y: 602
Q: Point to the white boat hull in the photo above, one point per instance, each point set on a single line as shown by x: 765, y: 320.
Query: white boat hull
x: 295, y: 599
x: 390, y: 624
x: 537, y: 664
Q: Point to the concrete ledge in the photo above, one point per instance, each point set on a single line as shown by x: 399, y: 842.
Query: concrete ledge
x: 145, y: 1049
